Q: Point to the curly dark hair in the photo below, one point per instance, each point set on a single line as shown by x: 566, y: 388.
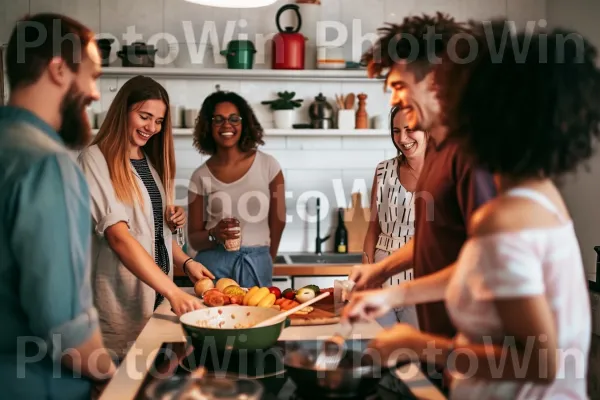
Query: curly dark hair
x: 252, y: 131
x: 529, y: 111
x: 418, y: 40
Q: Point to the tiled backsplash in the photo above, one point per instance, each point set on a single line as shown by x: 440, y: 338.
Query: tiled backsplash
x: 332, y: 173
x: 333, y: 166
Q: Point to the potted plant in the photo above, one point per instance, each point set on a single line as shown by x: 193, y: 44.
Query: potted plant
x: 283, y: 109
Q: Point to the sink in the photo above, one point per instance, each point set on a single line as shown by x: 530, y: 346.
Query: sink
x: 279, y: 259
x: 319, y: 259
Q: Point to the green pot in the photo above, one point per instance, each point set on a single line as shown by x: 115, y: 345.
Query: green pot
x: 228, y: 337
x: 239, y: 54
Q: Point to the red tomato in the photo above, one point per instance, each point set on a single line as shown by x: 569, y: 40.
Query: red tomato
x: 275, y: 290
x: 289, y: 294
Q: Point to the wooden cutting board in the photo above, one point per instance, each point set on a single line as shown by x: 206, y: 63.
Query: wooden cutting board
x: 356, y: 219
x: 323, y: 314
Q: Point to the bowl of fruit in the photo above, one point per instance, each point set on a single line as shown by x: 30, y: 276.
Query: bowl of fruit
x: 231, y: 313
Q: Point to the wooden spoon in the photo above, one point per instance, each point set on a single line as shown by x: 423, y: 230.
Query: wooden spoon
x: 349, y: 105
x: 282, y: 316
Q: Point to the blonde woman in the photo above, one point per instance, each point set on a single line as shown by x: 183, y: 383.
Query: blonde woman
x: 130, y: 169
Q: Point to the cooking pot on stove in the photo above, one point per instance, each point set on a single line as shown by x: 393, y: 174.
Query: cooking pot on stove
x: 138, y: 54
x: 230, y: 328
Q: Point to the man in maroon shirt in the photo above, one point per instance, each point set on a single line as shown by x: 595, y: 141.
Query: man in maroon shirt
x: 450, y: 188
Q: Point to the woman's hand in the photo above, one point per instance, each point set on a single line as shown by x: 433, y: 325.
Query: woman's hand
x: 196, y: 271
x: 181, y: 302
x: 175, y: 217
x: 400, y: 343
x: 223, y: 230
x: 371, y: 304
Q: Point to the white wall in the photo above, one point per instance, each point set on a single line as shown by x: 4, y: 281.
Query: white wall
x: 310, y: 164
x: 582, y: 191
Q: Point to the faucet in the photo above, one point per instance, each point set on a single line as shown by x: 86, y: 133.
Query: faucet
x: 319, y: 240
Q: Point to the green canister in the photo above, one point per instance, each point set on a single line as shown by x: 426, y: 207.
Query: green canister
x: 239, y: 54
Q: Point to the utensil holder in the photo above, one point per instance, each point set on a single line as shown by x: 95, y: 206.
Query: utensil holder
x: 190, y: 117
x: 346, y: 119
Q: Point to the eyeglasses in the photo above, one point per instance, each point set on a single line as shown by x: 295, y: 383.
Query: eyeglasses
x: 233, y: 119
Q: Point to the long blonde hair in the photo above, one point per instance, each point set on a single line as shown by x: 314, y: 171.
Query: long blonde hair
x: 114, y: 140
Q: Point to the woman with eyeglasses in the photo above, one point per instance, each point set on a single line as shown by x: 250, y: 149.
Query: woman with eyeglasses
x: 237, y: 197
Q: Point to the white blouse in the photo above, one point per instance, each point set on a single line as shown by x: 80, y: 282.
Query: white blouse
x: 521, y: 264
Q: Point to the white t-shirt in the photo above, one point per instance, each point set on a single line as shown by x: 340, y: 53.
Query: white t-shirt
x: 247, y: 199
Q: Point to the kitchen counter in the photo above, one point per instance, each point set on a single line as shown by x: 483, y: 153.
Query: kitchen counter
x: 164, y: 327
x: 301, y: 270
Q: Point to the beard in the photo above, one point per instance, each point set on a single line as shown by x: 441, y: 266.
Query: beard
x: 75, y: 130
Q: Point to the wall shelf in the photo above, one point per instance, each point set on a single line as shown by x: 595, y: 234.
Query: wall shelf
x: 302, y: 132
x: 349, y: 75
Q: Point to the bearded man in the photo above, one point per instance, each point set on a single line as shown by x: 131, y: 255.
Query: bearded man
x: 50, y: 343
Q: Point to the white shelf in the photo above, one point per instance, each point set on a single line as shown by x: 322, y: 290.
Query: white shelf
x: 301, y: 132
x: 353, y: 75
x: 326, y: 132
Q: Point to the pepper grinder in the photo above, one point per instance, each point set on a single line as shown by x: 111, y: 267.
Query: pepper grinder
x: 362, y: 119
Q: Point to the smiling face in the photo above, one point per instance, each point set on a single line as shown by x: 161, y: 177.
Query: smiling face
x: 146, y: 120
x: 417, y: 99
x: 412, y: 143
x: 226, y: 125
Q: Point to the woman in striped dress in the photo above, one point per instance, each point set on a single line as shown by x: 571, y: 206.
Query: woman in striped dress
x: 392, y: 201
x: 130, y: 169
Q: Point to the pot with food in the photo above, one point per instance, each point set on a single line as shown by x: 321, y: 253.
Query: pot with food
x: 232, y: 327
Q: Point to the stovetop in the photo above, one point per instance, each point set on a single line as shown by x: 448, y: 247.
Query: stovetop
x: 179, y: 359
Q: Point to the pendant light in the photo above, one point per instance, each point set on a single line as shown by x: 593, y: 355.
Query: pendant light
x: 234, y: 3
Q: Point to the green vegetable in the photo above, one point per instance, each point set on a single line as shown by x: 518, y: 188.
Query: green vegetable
x: 315, y: 289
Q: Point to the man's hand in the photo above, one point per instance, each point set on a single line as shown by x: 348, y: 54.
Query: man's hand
x: 367, y: 276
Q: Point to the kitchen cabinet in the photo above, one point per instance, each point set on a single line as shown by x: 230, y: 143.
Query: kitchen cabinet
x: 320, y: 281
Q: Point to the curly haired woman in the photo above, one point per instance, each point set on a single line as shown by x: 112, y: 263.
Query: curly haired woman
x: 238, y: 193
x: 517, y: 294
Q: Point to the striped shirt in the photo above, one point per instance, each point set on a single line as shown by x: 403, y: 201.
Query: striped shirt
x: 395, y: 211
x: 161, y: 255
x: 395, y: 207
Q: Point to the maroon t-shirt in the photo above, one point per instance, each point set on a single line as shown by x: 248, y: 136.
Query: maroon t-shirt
x: 449, y: 190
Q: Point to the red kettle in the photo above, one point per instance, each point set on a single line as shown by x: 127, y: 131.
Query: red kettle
x: 288, y: 44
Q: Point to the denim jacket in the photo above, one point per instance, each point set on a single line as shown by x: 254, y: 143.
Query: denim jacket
x: 45, y: 292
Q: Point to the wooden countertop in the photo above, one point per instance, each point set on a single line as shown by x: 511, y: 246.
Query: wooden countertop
x: 301, y: 270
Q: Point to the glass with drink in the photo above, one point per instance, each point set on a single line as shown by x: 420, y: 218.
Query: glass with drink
x: 233, y: 244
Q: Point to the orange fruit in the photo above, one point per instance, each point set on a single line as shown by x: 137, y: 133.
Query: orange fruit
x: 234, y: 290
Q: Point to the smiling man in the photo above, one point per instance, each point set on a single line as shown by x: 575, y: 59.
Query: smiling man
x: 450, y: 188
x: 50, y: 342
